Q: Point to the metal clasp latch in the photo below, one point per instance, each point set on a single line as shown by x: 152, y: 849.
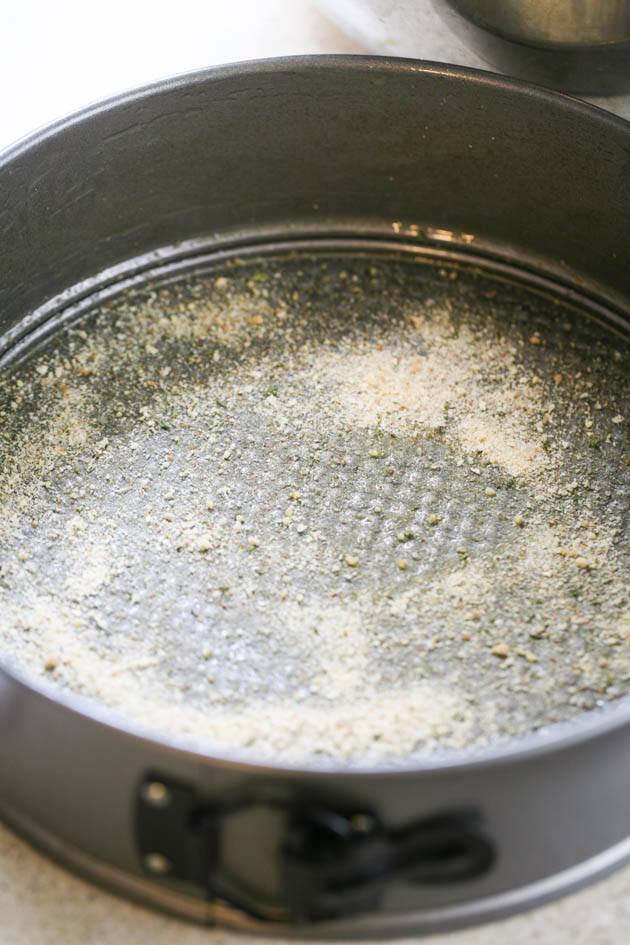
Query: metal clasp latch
x: 280, y: 857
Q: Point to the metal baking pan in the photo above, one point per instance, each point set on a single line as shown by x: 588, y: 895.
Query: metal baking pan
x: 381, y: 155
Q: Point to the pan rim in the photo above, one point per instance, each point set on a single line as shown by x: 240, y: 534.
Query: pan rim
x: 341, y: 62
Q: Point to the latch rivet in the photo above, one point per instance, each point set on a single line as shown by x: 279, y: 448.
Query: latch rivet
x: 362, y: 823
x: 156, y: 794
x: 157, y: 863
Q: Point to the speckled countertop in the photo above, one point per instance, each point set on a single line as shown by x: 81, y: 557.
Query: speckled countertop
x: 41, y: 904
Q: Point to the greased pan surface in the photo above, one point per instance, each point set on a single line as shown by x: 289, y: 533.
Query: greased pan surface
x: 322, y: 509
x: 372, y: 156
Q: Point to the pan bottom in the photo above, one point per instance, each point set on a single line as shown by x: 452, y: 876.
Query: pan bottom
x: 322, y: 507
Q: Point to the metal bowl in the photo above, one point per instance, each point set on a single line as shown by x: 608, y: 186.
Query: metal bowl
x: 579, y: 47
x: 563, y: 24
x: 384, y: 155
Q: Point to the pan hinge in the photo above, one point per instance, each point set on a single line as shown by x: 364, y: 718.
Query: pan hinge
x: 324, y: 860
